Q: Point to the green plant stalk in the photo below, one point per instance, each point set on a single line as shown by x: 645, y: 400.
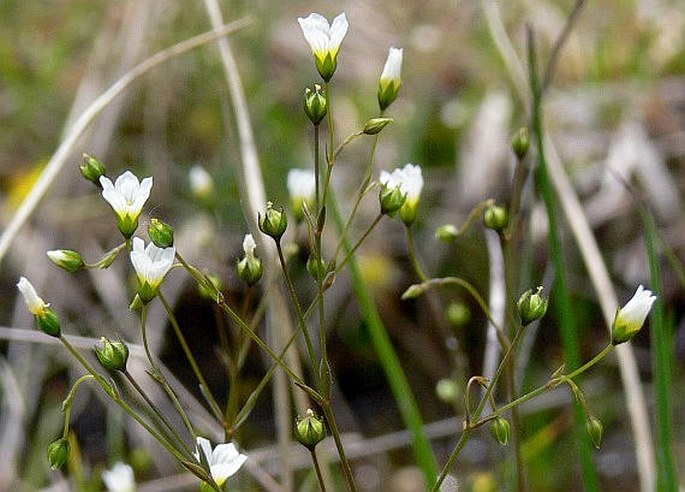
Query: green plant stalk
x: 158, y: 375
x: 318, y: 231
x: 317, y: 468
x: 298, y: 310
x: 214, y: 405
x: 125, y: 406
x: 333, y: 427
x: 412, y: 255
x: 563, y: 301
x: 662, y: 363
x: 67, y: 403
x: 391, y: 366
x: 349, y: 256
x: 466, y: 434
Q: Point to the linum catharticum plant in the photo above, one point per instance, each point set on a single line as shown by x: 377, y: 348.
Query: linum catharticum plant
x: 312, y: 204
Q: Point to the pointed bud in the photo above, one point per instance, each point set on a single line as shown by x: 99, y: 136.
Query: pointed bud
x: 58, y: 453
x: 310, y: 430
x: 495, y: 218
x: 500, y: 430
x: 274, y: 222
x: 595, y: 430
x: 390, y: 80
x: 67, y: 259
x: 376, y: 125
x: 315, y: 104
x: 92, y: 169
x: 112, y: 355
x: 250, y: 268
x: 161, y: 234
x: 531, y: 306
x: 521, y: 143
x: 447, y: 233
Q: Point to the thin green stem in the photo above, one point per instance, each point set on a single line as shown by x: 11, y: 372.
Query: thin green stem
x: 214, y: 405
x: 298, y: 308
x: 159, y: 376
x: 351, y: 251
x: 412, y: 254
x: 333, y: 427
x: 67, y: 403
x: 317, y: 468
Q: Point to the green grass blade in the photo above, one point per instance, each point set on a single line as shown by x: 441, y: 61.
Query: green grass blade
x: 406, y: 402
x: 561, y: 298
x: 662, y: 363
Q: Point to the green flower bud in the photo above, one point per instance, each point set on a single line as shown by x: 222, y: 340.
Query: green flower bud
x: 48, y: 322
x: 66, y: 259
x: 58, y: 453
x: 531, y: 306
x: 112, y: 355
x: 376, y: 125
x: 316, y: 268
x: 92, y: 169
x: 447, y: 233
x: 274, y: 222
x: 161, y: 234
x: 500, y: 430
x: 250, y: 270
x: 521, y: 143
x: 595, y: 430
x: 310, y: 430
x: 315, y: 104
x: 458, y: 314
x: 630, y: 318
x: 414, y: 291
x: 391, y: 199
x: 390, y: 80
x: 495, y: 218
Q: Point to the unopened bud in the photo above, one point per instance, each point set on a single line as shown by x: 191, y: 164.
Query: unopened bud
x: 250, y: 270
x: 595, y: 430
x: 521, y: 143
x: 495, y: 218
x: 531, y: 306
x: 66, y: 259
x: 414, y: 291
x: 112, y: 355
x: 58, y: 453
x: 274, y: 222
x: 92, y: 169
x: 310, y: 430
x: 376, y: 125
x: 448, y: 390
x: 315, y: 104
x: 161, y: 234
x: 317, y: 268
x: 458, y: 314
x: 48, y: 322
x: 500, y: 430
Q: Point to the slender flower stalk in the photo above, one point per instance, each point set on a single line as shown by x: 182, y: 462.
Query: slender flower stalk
x: 324, y: 39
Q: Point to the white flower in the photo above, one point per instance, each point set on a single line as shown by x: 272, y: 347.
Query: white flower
x: 324, y: 40
x: 224, y: 461
x: 301, y: 187
x: 393, y: 66
x: 34, y: 303
x: 119, y: 478
x: 630, y: 318
x: 151, y: 264
x: 390, y: 81
x: 409, y: 179
x: 126, y: 196
x: 201, y: 183
x: 249, y: 246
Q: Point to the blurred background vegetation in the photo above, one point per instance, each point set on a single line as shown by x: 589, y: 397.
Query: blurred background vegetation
x: 616, y: 108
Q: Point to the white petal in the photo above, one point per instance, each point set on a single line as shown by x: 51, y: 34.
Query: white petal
x: 249, y: 245
x: 337, y: 32
x: 33, y: 301
x: 206, y: 447
x: 393, y: 65
x: 112, y: 195
x: 301, y: 184
x: 119, y: 479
